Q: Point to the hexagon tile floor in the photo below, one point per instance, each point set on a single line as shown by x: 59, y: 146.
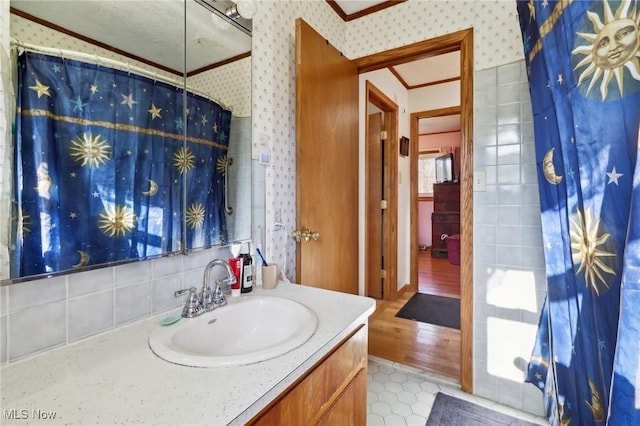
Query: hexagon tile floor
x: 399, y: 395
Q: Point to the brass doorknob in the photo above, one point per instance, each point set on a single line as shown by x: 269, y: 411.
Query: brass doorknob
x: 308, y: 235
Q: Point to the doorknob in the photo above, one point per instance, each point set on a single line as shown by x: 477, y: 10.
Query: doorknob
x: 308, y: 235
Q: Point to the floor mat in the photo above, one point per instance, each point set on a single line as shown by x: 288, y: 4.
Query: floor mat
x: 448, y: 410
x: 431, y: 309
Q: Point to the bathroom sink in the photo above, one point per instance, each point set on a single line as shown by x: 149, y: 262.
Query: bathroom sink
x: 249, y: 330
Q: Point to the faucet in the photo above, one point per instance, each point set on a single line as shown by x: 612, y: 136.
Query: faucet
x: 208, y: 300
x: 211, y: 300
x: 192, y: 308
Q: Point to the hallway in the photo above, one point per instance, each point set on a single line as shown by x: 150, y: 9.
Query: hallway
x: 424, y: 346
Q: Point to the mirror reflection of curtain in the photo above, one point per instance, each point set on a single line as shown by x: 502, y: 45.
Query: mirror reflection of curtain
x: 584, y: 74
x: 204, y: 161
x: 99, y: 162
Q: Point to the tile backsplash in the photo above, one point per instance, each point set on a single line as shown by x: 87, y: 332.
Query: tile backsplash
x: 39, y: 315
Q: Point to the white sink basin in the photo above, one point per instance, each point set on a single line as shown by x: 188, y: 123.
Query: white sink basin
x: 252, y: 329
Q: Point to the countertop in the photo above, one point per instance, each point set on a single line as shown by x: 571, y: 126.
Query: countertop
x: 115, y: 378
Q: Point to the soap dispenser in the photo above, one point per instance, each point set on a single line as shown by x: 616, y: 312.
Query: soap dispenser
x: 247, y: 270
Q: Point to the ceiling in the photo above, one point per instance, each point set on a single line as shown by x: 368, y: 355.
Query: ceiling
x: 151, y: 30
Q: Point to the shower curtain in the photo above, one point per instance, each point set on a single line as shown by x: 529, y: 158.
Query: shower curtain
x: 100, y: 167
x: 584, y: 74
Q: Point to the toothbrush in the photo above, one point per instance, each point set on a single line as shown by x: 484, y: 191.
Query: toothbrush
x: 264, y: 262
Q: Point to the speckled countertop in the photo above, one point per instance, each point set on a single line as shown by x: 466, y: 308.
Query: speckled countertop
x: 114, y: 378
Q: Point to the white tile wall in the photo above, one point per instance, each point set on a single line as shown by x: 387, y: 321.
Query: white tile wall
x: 509, y: 276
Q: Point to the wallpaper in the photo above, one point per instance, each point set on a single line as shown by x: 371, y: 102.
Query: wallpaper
x: 497, y: 41
x: 231, y: 83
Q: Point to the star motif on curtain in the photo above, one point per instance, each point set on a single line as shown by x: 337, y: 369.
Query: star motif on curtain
x: 40, y: 89
x: 614, y: 176
x: 93, y: 89
x: 155, y: 112
x: 128, y: 100
x: 215, y: 127
x: 204, y: 120
x: 56, y: 68
x: 78, y: 105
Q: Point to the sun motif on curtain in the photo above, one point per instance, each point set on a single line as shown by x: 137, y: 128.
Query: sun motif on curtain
x: 585, y: 240
x: 614, y: 45
x: 90, y: 150
x: 183, y: 160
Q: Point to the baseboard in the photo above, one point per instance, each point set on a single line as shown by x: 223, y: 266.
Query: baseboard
x: 403, y: 289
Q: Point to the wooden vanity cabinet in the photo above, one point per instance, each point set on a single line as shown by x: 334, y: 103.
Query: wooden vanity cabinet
x: 332, y: 392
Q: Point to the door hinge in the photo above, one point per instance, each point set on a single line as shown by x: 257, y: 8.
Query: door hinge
x: 383, y: 135
x: 383, y: 274
x: 383, y: 204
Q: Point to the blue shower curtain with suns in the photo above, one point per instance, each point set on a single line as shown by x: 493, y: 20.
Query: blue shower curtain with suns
x: 584, y: 74
x: 100, y: 167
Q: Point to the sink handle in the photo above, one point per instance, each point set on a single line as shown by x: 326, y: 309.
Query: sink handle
x: 192, y: 307
x: 184, y: 291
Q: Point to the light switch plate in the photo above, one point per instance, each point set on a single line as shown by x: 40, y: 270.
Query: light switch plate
x: 479, y: 181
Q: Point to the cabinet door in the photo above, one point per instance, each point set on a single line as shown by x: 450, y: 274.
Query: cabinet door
x: 348, y: 409
x: 324, y: 387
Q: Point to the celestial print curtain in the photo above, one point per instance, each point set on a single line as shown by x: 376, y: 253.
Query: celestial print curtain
x: 205, y: 160
x: 100, y: 163
x: 584, y: 75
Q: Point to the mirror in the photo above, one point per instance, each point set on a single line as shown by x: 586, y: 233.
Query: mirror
x: 177, y: 43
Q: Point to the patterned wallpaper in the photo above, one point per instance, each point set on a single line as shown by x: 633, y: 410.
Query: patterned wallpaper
x: 273, y: 98
x: 231, y: 84
x: 497, y: 41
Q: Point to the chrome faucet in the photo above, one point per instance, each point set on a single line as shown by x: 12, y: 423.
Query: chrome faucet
x: 211, y: 300
x: 207, y: 300
x: 192, y: 307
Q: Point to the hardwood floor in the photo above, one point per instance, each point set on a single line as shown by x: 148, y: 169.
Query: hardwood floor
x: 429, y: 347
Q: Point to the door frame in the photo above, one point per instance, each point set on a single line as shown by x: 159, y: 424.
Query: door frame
x: 462, y: 41
x: 390, y: 169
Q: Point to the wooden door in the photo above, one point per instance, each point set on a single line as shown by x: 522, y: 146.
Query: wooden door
x: 373, y: 224
x: 326, y: 163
